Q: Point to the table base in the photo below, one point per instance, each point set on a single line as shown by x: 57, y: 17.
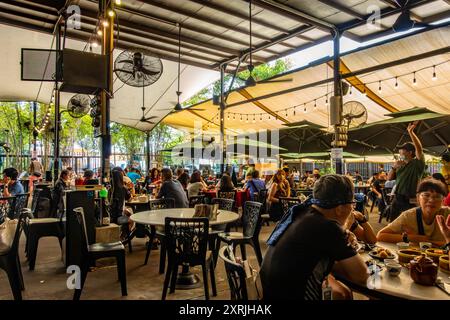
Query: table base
x: 187, y: 280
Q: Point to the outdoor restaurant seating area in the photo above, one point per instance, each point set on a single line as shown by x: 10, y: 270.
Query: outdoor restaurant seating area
x: 242, y: 150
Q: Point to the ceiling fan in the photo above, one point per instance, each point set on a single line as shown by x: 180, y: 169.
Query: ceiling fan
x: 404, y: 21
x: 178, y: 106
x: 143, y: 118
x: 250, y: 81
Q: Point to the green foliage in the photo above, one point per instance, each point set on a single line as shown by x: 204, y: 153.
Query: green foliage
x: 261, y: 72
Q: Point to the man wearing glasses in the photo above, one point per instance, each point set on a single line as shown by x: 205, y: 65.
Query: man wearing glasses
x: 407, y: 171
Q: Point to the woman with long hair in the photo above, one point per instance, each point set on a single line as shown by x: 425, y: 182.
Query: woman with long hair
x: 196, y: 184
x: 279, y: 188
x: 118, y: 194
x: 226, y: 185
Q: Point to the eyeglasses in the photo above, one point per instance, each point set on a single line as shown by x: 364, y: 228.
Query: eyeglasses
x: 428, y: 196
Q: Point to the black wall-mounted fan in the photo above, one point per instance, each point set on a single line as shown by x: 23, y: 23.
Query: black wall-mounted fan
x: 137, y: 69
x: 79, y: 105
x: 404, y: 21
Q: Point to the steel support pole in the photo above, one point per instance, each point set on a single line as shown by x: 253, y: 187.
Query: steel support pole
x: 57, y: 106
x: 337, y: 90
x: 222, y: 119
x: 147, y: 138
x: 35, y: 134
x: 107, y: 50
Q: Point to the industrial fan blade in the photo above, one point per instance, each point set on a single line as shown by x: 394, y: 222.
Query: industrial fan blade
x: 149, y: 118
x: 129, y: 119
x: 122, y: 70
x: 149, y: 72
x: 150, y: 122
x: 126, y: 61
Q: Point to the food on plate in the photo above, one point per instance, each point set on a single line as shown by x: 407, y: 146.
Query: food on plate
x: 405, y: 255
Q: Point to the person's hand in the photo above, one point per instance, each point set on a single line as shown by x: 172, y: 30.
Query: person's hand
x: 358, y: 216
x: 398, y: 164
x: 412, y: 126
x: 444, y: 226
x: 7, y: 181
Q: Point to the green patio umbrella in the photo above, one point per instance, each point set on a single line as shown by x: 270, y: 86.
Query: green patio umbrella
x: 316, y: 155
x: 433, y: 131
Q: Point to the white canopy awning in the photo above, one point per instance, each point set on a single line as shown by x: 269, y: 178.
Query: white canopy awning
x: 127, y: 101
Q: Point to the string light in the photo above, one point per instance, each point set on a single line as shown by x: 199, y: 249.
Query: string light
x: 294, y: 111
x: 241, y: 118
x: 396, y: 83
x: 315, y: 102
x: 94, y: 43
x: 350, y: 91
x: 246, y: 121
x: 379, y: 86
x: 111, y: 13
x: 228, y: 117
x: 118, y: 2
x: 286, y: 113
x: 254, y: 119
x: 99, y: 32
x: 261, y: 117
x: 234, y: 116
x: 304, y: 109
x: 105, y: 23
x: 434, y: 74
x: 326, y: 100
x: 365, y: 91
x: 414, y: 79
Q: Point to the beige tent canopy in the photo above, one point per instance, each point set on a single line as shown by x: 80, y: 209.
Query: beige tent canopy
x: 268, y: 110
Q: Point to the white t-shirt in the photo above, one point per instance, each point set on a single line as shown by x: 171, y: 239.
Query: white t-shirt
x: 194, y: 188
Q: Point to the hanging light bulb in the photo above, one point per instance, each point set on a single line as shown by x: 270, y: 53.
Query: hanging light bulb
x: 304, y: 109
x: 414, y: 79
x: 118, y: 2
x: 269, y: 118
x: 246, y: 121
x: 434, y: 74
x: 254, y: 119
x: 99, y: 32
x: 315, y: 103
x: 234, y: 116
x: 365, y: 91
x: 396, y: 83
x: 326, y: 100
x: 241, y: 118
x: 228, y: 117
x: 94, y: 44
x: 111, y: 13
x: 293, y: 113
x: 286, y: 113
x: 379, y: 86
x: 260, y: 118
x: 350, y: 92
x: 105, y: 23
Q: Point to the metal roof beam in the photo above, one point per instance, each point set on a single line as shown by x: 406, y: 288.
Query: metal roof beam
x: 55, y: 4
x: 293, y: 14
x: 293, y: 33
x: 227, y: 10
x: 387, y: 12
x: 202, y: 18
x: 345, y: 9
x: 31, y: 6
x: 390, y: 3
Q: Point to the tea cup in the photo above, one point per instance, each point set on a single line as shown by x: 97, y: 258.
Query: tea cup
x: 394, y: 268
x: 425, y: 245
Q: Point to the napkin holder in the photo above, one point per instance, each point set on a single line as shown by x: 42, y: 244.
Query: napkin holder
x: 206, y: 211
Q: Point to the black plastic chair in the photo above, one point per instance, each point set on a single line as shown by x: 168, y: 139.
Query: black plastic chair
x: 224, y: 204
x: 10, y: 261
x: 6, y: 207
x: 37, y: 228
x: 193, y: 200
x: 287, y: 203
x: 235, y: 275
x: 251, y: 220
x: 158, y: 204
x: 261, y: 197
x: 187, y: 241
x: 92, y: 252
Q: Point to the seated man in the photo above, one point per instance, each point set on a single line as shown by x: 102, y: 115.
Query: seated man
x: 11, y: 186
x: 88, y: 178
x: 310, y: 242
x: 420, y: 223
x: 171, y: 188
x: 255, y: 184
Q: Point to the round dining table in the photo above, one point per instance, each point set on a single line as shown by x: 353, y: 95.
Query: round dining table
x: 385, y: 286
x: 185, y: 280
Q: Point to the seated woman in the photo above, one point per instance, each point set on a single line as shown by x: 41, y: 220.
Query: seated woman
x: 279, y: 188
x: 196, y: 184
x: 420, y: 223
x: 118, y: 194
x: 184, y: 180
x: 225, y: 184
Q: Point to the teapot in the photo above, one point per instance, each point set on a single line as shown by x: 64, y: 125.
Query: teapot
x: 423, y: 270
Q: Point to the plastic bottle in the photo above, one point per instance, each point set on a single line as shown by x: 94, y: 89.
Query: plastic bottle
x: 104, y: 216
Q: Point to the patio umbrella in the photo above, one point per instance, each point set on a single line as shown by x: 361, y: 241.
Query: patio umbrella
x: 317, y: 155
x: 433, y: 130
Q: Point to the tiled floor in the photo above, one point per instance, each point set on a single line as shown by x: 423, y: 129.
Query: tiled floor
x: 48, y: 280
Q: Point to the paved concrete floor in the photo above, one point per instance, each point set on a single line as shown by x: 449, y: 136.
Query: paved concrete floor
x: 48, y: 280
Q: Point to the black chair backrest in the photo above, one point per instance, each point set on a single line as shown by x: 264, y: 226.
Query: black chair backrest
x: 34, y: 201
x: 193, y: 200
x: 251, y: 218
x: 226, y: 195
x: 20, y: 223
x: 235, y: 275
x: 165, y: 203
x: 186, y: 239
x: 224, y: 204
x: 6, y: 208
x: 286, y: 203
x: 79, y: 212
x: 20, y: 202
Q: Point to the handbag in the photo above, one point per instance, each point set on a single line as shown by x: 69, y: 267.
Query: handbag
x: 7, y: 232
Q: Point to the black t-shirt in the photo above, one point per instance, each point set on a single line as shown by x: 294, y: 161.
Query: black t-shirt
x: 296, y: 266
